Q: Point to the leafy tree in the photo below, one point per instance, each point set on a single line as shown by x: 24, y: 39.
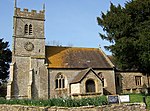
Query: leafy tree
x: 128, y: 29
x: 5, y: 59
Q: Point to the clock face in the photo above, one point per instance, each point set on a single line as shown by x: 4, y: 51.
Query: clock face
x: 29, y: 46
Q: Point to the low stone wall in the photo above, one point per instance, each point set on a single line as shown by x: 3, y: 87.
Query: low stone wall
x: 121, y: 107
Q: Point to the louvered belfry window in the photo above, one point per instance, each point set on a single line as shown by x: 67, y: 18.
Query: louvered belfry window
x: 26, y: 29
x: 30, y: 29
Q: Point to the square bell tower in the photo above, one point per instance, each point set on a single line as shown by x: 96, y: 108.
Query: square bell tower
x: 28, y: 55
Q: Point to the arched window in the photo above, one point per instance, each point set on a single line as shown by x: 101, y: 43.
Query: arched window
x: 30, y: 29
x: 90, y: 86
x: 26, y: 29
x: 60, y: 81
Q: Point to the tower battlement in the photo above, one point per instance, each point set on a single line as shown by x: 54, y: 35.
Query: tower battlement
x: 33, y: 14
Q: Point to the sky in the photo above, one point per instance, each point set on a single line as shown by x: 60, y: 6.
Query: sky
x: 68, y: 22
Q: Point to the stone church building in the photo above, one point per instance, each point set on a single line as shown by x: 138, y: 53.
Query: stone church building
x: 41, y: 72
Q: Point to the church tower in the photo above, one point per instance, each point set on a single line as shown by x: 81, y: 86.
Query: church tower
x: 28, y: 55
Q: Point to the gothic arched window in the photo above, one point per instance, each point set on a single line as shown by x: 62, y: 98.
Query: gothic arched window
x: 90, y: 86
x: 26, y: 29
x: 60, y: 81
x: 30, y: 29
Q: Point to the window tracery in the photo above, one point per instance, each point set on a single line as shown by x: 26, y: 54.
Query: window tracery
x: 60, y: 81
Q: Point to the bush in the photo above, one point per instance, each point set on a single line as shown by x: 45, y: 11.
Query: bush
x: 148, y: 102
x: 63, y: 102
x: 98, y: 101
x: 3, y: 90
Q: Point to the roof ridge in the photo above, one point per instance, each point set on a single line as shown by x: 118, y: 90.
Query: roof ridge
x: 72, y: 47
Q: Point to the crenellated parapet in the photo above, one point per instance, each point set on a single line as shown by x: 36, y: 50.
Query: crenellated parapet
x: 33, y: 14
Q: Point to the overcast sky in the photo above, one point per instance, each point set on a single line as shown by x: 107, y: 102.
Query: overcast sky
x: 67, y: 21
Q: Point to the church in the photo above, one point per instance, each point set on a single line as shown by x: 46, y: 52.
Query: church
x: 38, y: 71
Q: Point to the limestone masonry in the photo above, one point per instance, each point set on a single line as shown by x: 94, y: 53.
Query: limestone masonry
x: 122, y: 107
x: 41, y: 72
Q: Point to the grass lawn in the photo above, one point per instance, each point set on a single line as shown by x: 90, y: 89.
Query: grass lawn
x: 139, y: 98
x: 136, y: 98
x: 148, y: 102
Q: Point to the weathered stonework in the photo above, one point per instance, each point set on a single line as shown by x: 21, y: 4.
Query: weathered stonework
x: 32, y: 78
x: 127, y: 82
x: 70, y: 74
x: 28, y: 56
x: 81, y: 86
x: 30, y: 15
x: 35, y: 67
x: 109, y: 76
x: 121, y: 107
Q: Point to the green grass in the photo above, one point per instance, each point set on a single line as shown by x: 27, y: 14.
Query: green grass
x: 136, y: 98
x: 148, y: 102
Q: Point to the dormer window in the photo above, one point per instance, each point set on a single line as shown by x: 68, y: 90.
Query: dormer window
x: 30, y: 29
x: 26, y: 29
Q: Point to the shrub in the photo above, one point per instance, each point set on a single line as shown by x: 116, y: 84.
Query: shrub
x: 148, y: 102
x: 63, y: 102
x: 97, y: 101
x: 3, y: 90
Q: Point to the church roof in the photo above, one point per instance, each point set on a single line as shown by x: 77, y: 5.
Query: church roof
x: 76, y: 57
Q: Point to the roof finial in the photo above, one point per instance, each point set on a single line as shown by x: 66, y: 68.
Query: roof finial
x: 15, y: 4
x: 44, y: 7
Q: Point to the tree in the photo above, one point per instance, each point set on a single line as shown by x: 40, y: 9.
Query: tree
x: 5, y: 59
x: 128, y: 28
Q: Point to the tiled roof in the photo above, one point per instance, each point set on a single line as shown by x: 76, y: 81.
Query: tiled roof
x: 111, y: 58
x: 76, y: 57
x: 82, y: 74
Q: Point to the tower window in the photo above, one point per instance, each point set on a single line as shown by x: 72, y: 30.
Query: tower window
x: 30, y: 29
x: 60, y: 81
x: 26, y: 29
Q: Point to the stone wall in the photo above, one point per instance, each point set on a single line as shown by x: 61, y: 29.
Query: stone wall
x: 109, y: 81
x: 127, y: 82
x: 28, y: 70
x: 70, y: 74
x: 122, y: 107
